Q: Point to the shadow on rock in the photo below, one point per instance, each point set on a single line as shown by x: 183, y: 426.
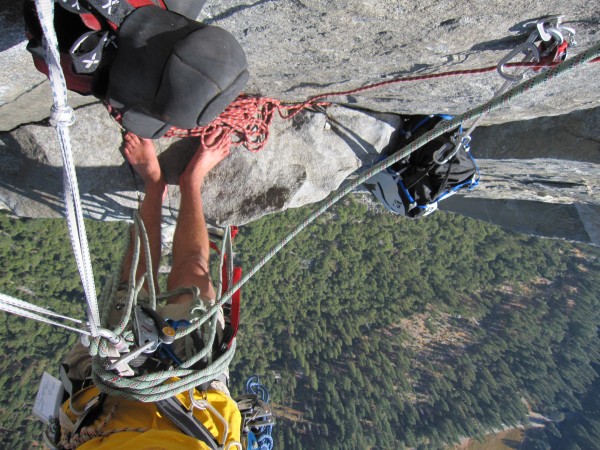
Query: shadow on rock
x: 32, y: 188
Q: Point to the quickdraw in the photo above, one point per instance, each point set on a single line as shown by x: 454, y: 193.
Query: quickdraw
x: 547, y: 43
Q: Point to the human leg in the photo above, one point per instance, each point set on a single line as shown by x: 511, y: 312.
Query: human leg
x: 190, y: 243
x: 142, y: 156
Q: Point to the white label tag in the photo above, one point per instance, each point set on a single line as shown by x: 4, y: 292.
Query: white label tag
x: 48, y: 399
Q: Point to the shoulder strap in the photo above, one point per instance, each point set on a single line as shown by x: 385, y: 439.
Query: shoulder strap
x: 172, y: 409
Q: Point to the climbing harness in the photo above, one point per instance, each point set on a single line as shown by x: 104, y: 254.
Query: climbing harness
x: 114, y: 351
x: 175, y: 411
x: 135, y: 345
x: 149, y: 331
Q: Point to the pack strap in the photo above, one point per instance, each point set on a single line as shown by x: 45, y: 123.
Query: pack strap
x: 86, y: 51
x: 174, y: 410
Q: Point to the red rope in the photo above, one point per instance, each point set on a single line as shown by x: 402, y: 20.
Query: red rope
x: 247, y: 119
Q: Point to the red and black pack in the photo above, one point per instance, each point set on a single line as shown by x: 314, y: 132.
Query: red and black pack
x: 148, y: 60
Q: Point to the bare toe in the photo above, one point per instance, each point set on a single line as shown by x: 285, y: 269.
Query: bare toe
x: 140, y: 153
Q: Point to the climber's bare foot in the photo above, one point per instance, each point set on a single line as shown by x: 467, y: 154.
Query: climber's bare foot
x: 204, y: 160
x: 142, y: 156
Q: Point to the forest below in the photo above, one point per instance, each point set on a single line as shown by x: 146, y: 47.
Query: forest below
x: 371, y: 331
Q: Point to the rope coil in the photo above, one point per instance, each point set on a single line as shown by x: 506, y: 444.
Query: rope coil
x: 162, y: 384
x: 246, y: 121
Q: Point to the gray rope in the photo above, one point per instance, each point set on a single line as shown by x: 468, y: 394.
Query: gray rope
x: 24, y: 309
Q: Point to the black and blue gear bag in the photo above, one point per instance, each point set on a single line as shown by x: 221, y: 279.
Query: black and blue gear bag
x: 413, y: 186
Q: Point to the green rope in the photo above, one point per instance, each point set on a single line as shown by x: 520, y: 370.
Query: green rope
x: 158, y: 385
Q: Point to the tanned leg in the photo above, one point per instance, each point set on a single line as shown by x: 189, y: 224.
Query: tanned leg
x: 142, y: 156
x: 190, y: 242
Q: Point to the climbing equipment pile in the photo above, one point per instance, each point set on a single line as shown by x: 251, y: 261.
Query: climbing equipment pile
x: 547, y: 44
x: 257, y: 417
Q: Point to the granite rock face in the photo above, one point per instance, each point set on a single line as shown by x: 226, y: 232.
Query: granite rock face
x: 539, y: 180
x: 25, y: 95
x: 307, y: 47
x: 301, y: 48
x: 542, y: 197
x: 31, y: 168
x: 539, y: 177
x: 574, y: 137
x: 305, y: 159
x: 573, y: 222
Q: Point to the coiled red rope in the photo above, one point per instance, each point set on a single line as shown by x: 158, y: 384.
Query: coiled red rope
x: 247, y: 119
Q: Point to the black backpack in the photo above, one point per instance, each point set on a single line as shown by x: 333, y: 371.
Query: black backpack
x: 149, y: 61
x: 412, y: 187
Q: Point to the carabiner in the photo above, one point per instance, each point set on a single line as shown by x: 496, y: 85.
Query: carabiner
x: 531, y: 53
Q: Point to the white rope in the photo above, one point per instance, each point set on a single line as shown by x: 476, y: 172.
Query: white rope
x: 8, y: 300
x: 24, y: 309
x: 62, y: 117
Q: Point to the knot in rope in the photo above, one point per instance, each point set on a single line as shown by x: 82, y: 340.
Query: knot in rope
x: 62, y: 116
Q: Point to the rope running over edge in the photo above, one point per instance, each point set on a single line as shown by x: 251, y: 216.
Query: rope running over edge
x: 246, y: 121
